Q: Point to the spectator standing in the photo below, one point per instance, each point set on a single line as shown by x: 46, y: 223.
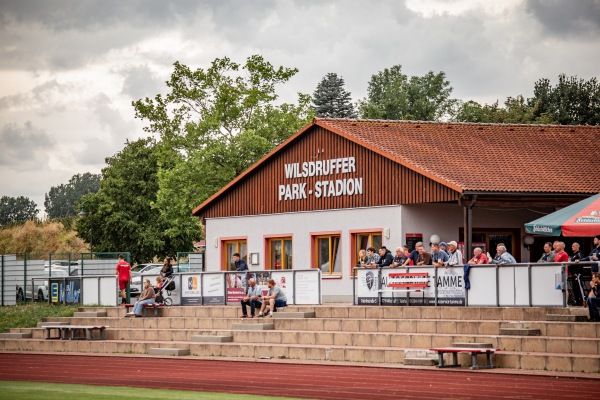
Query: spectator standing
x: 167, y: 269
x: 372, y: 257
x: 548, y: 255
x: 560, y: 255
x: 385, y: 257
x: 503, y: 256
x: 362, y: 258
x: 455, y: 256
x: 575, y: 271
x: 413, y: 256
x: 424, y: 257
x: 275, y: 298
x: 595, y: 254
x: 399, y: 258
x: 438, y: 256
x: 576, y: 252
x: 123, y: 272
x: 479, y: 257
x: 444, y: 246
x: 147, y: 297
x: 240, y: 264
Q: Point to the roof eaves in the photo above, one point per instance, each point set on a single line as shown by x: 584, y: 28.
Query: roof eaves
x: 241, y: 176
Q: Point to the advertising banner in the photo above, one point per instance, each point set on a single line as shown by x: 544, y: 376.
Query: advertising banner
x: 285, y: 281
x: 236, y: 284
x: 451, y: 286
x: 191, y: 290
x: 367, y: 287
x: 213, y: 288
x: 307, y: 287
x: 65, y: 290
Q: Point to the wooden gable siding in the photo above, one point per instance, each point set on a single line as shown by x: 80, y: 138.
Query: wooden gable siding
x: 384, y: 182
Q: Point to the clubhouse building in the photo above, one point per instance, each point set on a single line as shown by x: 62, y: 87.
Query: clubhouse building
x: 341, y: 185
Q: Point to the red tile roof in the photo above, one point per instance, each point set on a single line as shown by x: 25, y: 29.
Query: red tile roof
x: 469, y: 157
x: 486, y: 157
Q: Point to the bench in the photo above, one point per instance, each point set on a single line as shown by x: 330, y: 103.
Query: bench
x: 407, y: 282
x: 473, y: 351
x: 75, y: 332
x: 154, y: 306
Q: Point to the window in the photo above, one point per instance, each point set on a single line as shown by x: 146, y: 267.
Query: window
x: 327, y: 254
x: 230, y: 247
x: 279, y: 253
x: 362, y: 241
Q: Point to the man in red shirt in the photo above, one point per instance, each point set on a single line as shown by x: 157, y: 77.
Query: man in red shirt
x: 561, y: 255
x: 479, y: 257
x: 123, y: 272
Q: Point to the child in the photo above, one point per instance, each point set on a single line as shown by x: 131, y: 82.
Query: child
x: 159, y: 284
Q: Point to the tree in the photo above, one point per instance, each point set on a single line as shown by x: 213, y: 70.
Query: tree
x: 393, y: 95
x: 121, y: 216
x: 16, y: 209
x: 213, y: 125
x: 331, y: 100
x: 61, y: 201
x: 516, y: 110
x: 571, y: 101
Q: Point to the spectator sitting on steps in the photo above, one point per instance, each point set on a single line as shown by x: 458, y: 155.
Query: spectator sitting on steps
x: 147, y: 297
x: 275, y: 298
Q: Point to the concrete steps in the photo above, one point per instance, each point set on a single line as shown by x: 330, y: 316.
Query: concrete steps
x: 338, y: 333
x: 415, y: 326
x: 343, y: 338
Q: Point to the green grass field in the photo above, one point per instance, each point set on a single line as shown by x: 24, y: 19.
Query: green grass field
x: 54, y: 391
x: 28, y: 315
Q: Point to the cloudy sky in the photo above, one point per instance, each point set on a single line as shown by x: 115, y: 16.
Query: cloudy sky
x: 69, y: 69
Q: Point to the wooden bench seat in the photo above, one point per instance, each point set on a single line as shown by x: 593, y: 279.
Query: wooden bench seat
x: 473, y: 351
x: 75, y: 332
x: 154, y: 306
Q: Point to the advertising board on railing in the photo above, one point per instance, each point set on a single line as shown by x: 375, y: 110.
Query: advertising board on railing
x: 191, y: 290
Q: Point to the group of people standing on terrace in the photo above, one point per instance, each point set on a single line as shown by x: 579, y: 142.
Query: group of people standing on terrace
x: 442, y: 255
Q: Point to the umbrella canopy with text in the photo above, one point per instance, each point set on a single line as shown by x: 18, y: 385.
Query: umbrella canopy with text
x: 579, y: 219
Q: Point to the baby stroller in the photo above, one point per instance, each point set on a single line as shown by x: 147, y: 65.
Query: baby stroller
x: 164, y: 291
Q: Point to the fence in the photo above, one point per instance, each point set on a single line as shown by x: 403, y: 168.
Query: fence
x: 25, y: 278
x: 531, y: 284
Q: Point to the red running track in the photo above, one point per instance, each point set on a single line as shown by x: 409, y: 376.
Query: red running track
x: 292, y: 380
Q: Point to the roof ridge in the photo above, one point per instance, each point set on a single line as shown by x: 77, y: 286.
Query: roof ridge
x: 407, y: 121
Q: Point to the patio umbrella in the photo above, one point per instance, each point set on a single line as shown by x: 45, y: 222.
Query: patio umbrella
x: 579, y: 219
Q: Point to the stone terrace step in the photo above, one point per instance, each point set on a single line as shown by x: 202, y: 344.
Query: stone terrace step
x: 519, y: 332
x: 473, y: 345
x: 362, y: 312
x: 90, y: 314
x: 212, y: 338
x: 168, y: 351
x: 566, y: 317
x: 371, y: 354
x: 15, y: 335
x: 463, y: 327
x: 382, y: 339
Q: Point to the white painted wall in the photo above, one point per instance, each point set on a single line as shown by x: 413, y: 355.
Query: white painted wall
x: 441, y: 219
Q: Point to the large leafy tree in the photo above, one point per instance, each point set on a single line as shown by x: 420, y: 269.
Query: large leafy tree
x: 572, y: 101
x: 213, y: 124
x: 121, y: 216
x: 331, y: 100
x: 61, y: 200
x: 394, y: 95
x: 16, y: 209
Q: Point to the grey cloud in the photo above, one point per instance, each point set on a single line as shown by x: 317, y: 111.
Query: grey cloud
x: 24, y: 147
x: 110, y: 118
x: 140, y: 82
x: 576, y: 18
